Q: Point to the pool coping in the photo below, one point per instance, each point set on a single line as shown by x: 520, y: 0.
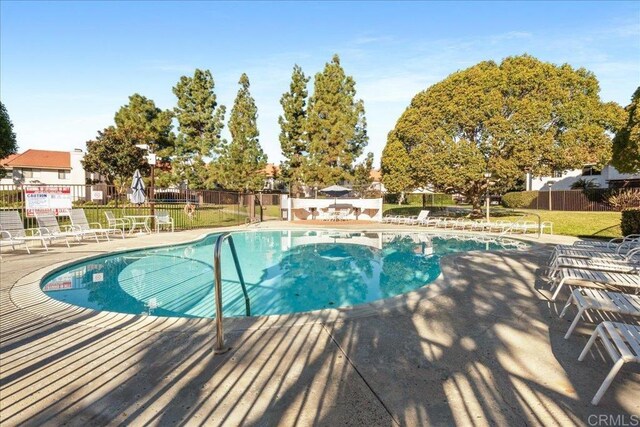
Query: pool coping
x: 27, y: 294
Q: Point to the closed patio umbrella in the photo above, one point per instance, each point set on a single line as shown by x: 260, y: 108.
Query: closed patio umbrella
x: 137, y: 186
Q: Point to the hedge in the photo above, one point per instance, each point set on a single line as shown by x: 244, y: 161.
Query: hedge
x: 437, y: 199
x: 519, y: 200
x: 630, y: 221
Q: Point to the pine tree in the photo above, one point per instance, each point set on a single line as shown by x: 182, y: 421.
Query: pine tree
x: 145, y: 123
x: 626, y: 144
x: 292, y: 123
x: 243, y: 161
x: 200, y: 122
x: 114, y: 153
x: 336, y: 127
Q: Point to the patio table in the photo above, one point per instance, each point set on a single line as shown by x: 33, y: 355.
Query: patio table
x: 139, y: 221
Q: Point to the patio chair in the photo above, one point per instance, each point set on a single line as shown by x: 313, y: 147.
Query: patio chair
x: 613, y: 243
x: 599, y: 278
x: 48, y: 225
x: 113, y: 222
x: 415, y: 219
x: 396, y: 219
x: 163, y: 219
x: 343, y: 214
x: 12, y: 232
x: 324, y: 215
x: 601, y: 300
x: 622, y: 266
x: 388, y: 218
x: 562, y: 251
x: 79, y: 222
x: 546, y: 225
x: 622, y: 343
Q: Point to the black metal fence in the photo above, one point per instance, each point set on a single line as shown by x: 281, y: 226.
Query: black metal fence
x: 188, y: 208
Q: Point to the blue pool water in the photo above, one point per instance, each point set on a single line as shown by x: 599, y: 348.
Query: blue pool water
x: 285, y: 272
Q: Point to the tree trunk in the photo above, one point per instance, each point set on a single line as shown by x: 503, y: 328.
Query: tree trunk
x: 401, y: 198
x: 476, y: 205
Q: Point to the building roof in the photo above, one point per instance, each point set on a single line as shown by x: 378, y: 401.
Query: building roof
x: 271, y: 170
x: 376, y: 175
x: 5, y: 162
x: 41, y: 159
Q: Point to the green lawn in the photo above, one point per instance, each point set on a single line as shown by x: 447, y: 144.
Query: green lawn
x: 579, y: 224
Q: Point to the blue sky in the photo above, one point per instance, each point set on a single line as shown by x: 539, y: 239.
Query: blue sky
x: 66, y: 67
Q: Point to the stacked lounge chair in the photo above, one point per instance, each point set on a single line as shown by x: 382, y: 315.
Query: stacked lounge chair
x: 606, y: 279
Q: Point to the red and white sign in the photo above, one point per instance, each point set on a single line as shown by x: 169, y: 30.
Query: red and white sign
x: 55, y: 200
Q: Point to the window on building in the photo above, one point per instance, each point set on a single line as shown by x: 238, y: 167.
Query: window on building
x: 590, y: 171
x: 557, y: 174
x: 63, y: 174
x: 27, y: 173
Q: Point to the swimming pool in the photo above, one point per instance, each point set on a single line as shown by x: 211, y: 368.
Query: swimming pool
x: 285, y: 272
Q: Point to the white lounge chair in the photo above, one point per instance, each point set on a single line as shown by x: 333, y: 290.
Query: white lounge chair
x: 163, y: 219
x: 622, y: 342
x: 599, y: 299
x: 415, y: 219
x: 48, y: 225
x: 604, y: 278
x: 613, y: 243
x: 601, y: 264
x: 565, y: 251
x: 79, y: 222
x: 388, y: 219
x: 12, y: 232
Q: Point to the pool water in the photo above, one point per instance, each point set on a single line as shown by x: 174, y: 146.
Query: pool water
x: 284, y: 271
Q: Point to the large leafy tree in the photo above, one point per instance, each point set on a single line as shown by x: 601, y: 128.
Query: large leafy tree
x: 335, y: 127
x: 242, y: 162
x: 8, y: 144
x: 502, y: 119
x: 200, y: 122
x: 114, y: 153
x: 293, y: 140
x: 626, y: 144
x: 396, y: 168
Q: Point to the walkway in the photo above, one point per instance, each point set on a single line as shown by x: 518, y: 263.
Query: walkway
x: 487, y: 349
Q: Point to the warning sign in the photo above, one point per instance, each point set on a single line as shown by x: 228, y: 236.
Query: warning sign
x: 55, y: 200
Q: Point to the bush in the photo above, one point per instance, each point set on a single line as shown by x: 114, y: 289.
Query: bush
x: 625, y: 199
x: 437, y: 199
x: 630, y: 221
x: 519, y: 200
x: 10, y: 198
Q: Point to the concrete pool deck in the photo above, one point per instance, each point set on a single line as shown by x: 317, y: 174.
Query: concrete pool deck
x: 486, y: 349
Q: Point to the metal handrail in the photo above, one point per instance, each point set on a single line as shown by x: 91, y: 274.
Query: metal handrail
x: 220, y: 347
x: 524, y: 215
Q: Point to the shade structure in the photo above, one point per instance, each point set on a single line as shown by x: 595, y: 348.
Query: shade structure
x: 335, y: 191
x: 137, y: 189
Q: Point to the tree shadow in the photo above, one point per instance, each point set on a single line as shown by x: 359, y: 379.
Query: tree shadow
x: 488, y: 349
x: 596, y: 234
